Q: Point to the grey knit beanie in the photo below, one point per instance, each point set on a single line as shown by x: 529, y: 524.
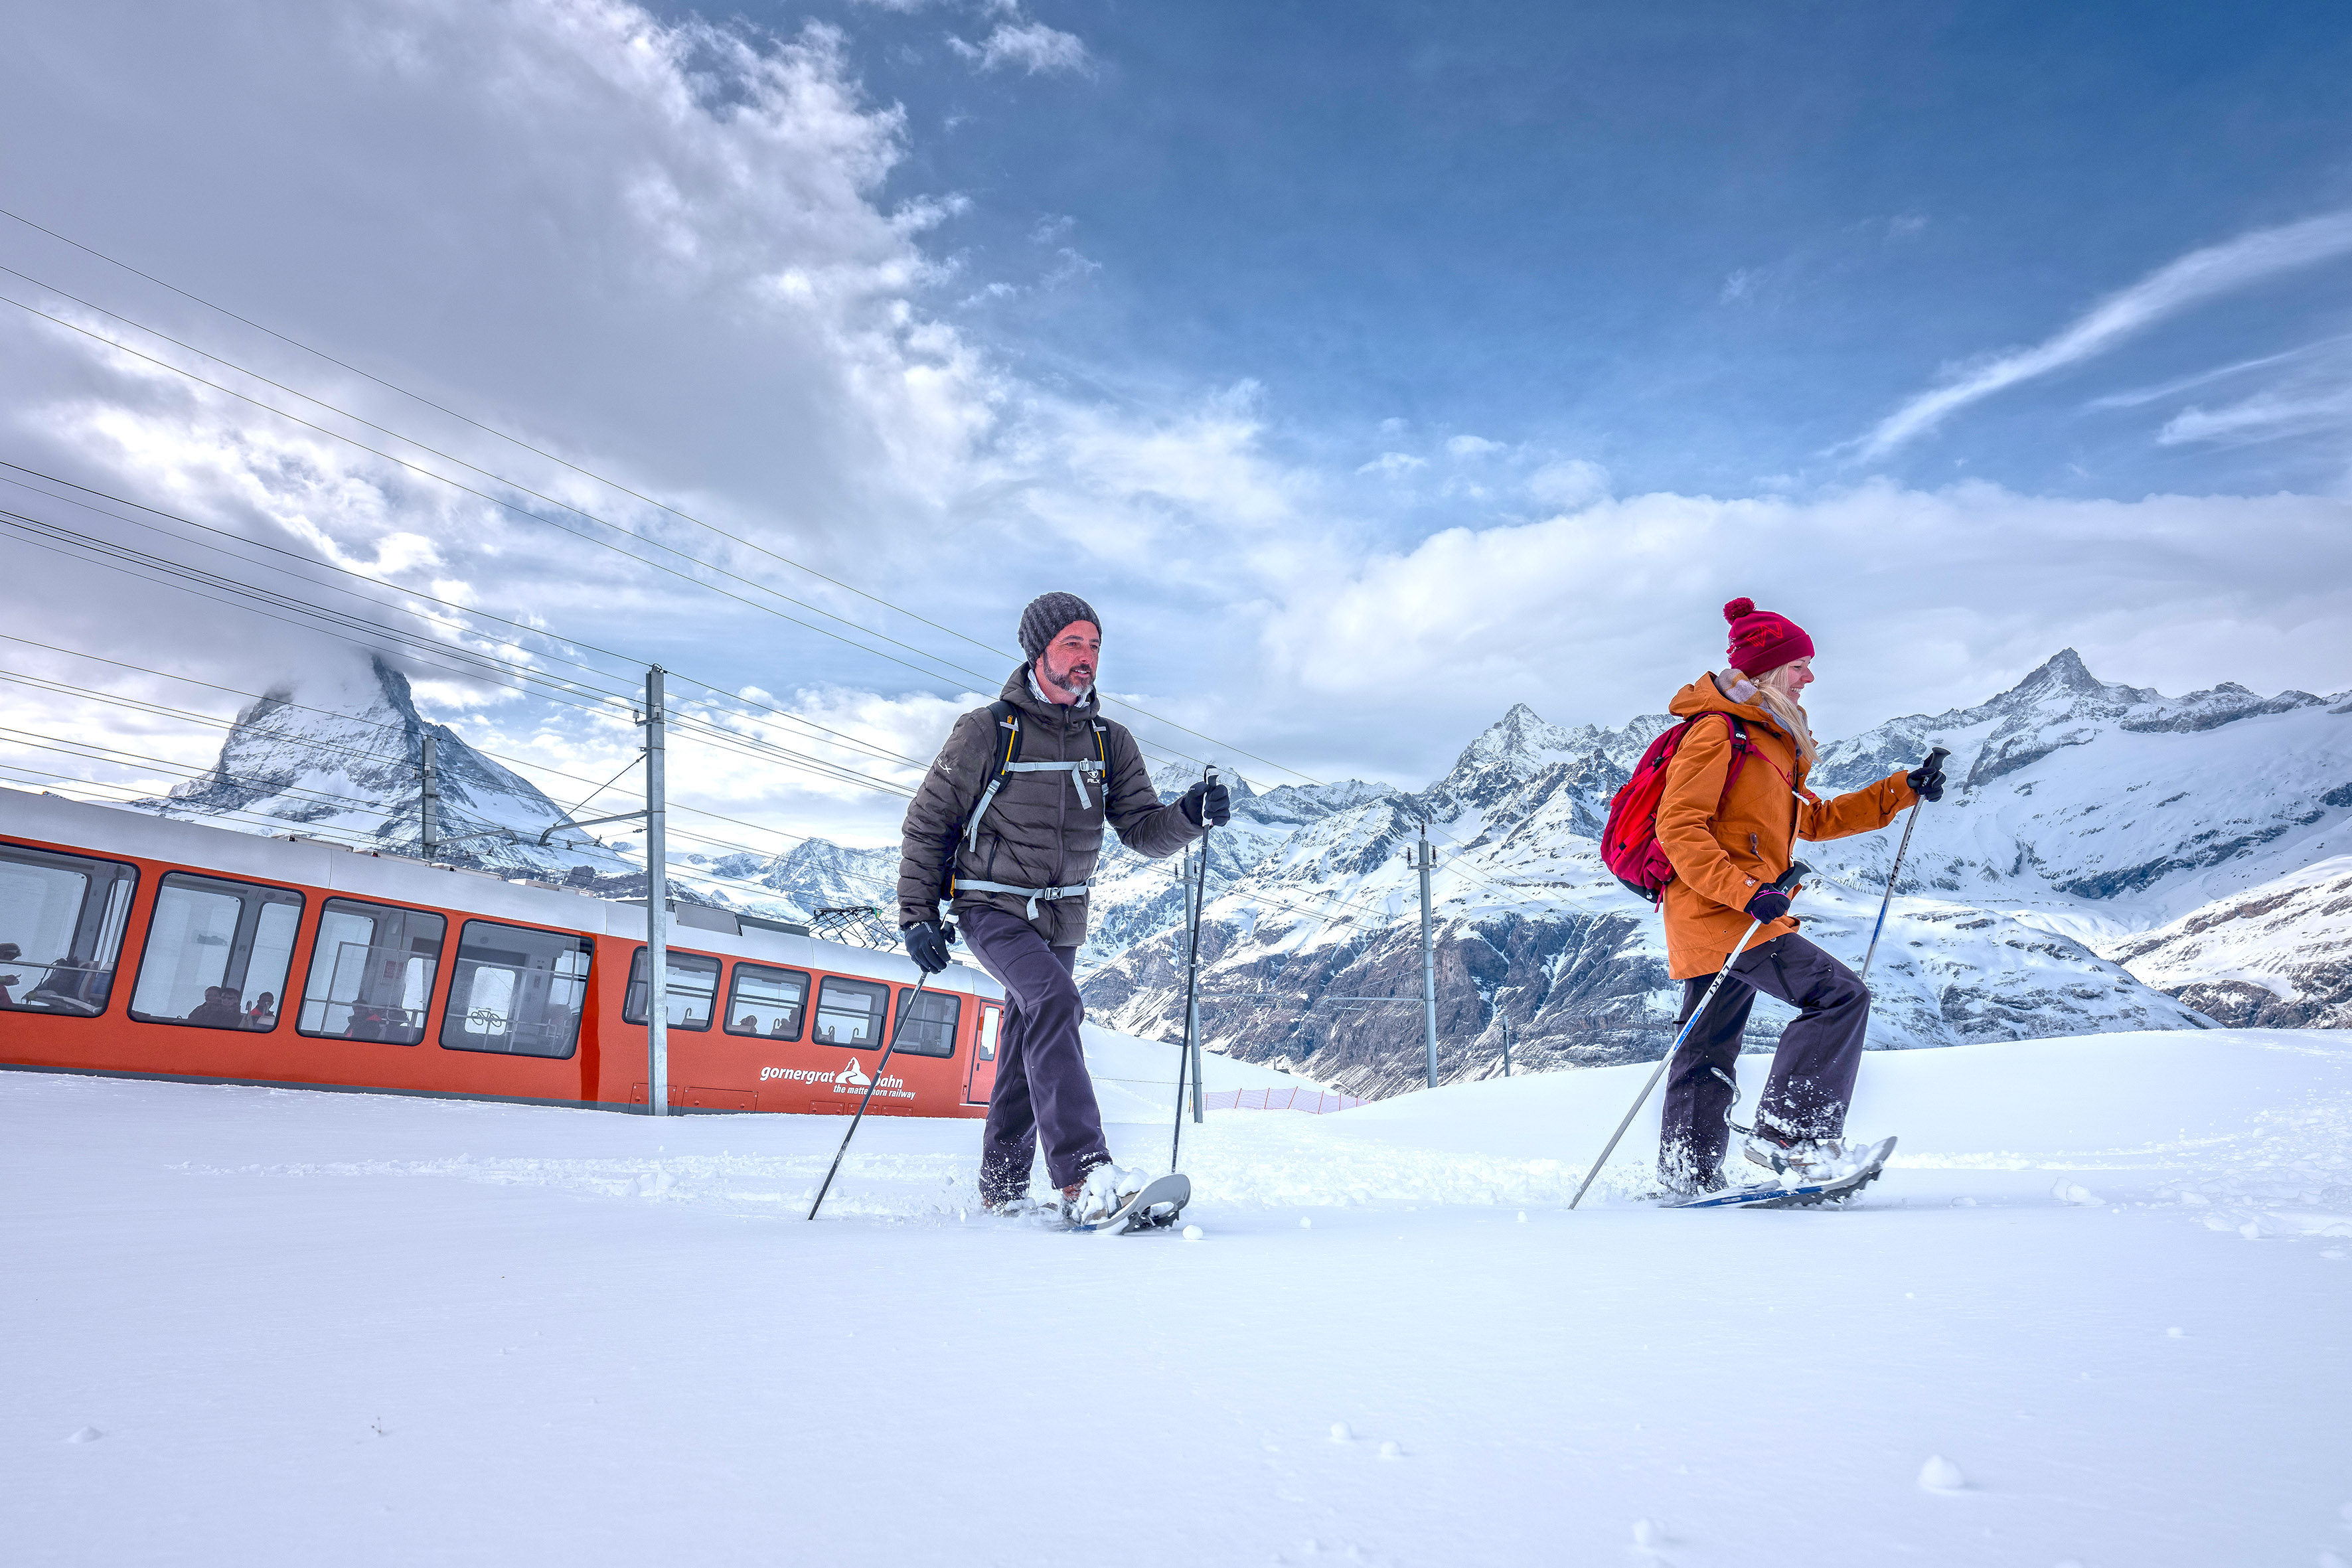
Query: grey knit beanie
x: 1048, y: 614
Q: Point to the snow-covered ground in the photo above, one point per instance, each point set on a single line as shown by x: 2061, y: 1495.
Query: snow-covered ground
x: 2105, y: 1284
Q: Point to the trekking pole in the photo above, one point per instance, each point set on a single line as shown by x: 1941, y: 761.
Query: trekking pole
x: 1934, y: 757
x: 903, y: 1008
x: 1786, y: 883
x: 1191, y: 977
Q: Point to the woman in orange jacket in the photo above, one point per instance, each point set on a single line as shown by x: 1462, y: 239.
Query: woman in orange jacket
x: 1728, y: 832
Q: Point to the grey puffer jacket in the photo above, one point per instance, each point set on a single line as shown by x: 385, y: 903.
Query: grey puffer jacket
x: 1036, y: 834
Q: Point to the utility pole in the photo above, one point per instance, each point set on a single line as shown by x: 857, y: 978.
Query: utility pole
x: 656, y: 903
x: 1425, y: 858
x: 428, y: 804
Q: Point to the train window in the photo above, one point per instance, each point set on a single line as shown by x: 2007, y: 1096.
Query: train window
x: 692, y: 983
x: 927, y: 1025
x: 61, y: 919
x: 766, y: 1002
x: 850, y: 1012
x: 371, y: 973
x: 516, y: 991
x: 216, y: 954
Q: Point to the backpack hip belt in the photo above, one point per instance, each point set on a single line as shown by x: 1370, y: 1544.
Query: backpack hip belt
x: 1035, y: 895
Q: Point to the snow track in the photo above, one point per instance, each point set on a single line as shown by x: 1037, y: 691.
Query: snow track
x: 2096, y: 1309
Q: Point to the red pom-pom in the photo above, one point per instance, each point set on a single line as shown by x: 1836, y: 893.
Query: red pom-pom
x: 1738, y: 607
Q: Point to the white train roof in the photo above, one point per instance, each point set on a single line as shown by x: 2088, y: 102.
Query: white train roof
x: 365, y: 874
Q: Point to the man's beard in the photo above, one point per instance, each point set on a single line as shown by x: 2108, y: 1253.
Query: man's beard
x: 1076, y: 680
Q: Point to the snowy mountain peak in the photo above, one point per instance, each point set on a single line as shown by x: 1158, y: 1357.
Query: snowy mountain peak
x: 346, y: 761
x: 2063, y: 672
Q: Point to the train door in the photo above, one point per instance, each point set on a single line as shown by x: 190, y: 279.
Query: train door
x: 982, y: 1079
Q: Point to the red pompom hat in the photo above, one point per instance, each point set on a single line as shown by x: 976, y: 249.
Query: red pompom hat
x: 1762, y: 641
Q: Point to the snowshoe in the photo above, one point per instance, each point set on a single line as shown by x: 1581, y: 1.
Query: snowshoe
x: 1154, y: 1207
x: 1797, y: 1189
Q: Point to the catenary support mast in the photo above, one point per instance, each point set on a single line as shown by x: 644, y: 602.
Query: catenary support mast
x: 428, y: 805
x: 1425, y: 858
x: 656, y: 902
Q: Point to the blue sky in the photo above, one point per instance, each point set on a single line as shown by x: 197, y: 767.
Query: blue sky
x: 1699, y: 244
x: 1374, y: 367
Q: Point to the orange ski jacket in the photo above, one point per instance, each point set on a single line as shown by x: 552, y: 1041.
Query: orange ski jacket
x: 1722, y: 855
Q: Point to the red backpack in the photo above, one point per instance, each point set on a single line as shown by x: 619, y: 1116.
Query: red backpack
x: 1629, y: 844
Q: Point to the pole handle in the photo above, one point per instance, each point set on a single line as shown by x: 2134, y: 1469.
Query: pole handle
x: 1786, y: 882
x: 1936, y: 754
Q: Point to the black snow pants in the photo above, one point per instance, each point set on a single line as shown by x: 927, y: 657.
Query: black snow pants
x: 1812, y: 1074
x: 1043, y: 1090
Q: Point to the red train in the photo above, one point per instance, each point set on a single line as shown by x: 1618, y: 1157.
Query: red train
x: 134, y: 945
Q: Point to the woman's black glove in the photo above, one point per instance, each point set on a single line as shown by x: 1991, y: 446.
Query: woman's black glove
x: 1208, y: 805
x: 1927, y: 779
x: 1769, y: 904
x: 927, y: 945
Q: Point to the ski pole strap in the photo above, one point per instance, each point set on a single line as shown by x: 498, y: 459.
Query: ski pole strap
x: 1035, y: 895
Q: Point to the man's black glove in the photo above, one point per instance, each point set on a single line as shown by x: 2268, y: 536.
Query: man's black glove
x: 927, y: 945
x: 1769, y: 904
x: 1927, y: 780
x: 1209, y: 804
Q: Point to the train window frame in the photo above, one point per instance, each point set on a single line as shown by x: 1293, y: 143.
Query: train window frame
x: 242, y: 943
x: 633, y: 1008
x: 456, y: 1014
x: 905, y: 1030
x: 881, y: 1025
x: 801, y: 1011
x: 423, y: 1025
x: 104, y: 933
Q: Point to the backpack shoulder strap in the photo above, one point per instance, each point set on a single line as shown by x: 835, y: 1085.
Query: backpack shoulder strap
x: 1006, y: 750
x: 1741, y: 747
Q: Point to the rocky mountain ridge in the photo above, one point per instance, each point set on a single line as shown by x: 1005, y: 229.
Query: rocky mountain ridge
x: 2108, y: 858
x: 2085, y: 818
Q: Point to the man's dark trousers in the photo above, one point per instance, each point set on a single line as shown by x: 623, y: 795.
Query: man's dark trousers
x: 1812, y: 1074
x: 1042, y: 1090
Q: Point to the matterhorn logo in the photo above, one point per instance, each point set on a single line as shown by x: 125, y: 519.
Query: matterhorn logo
x: 852, y: 1077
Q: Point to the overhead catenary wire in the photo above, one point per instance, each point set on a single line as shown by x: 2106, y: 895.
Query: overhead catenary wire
x: 442, y: 408
x: 580, y: 513
x: 521, y: 629
x: 119, y: 757
x: 526, y: 512
x: 178, y: 369
x: 484, y: 667
x: 1264, y: 900
x: 375, y: 807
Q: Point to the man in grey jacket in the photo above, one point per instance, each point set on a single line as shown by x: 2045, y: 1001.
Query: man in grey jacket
x: 1006, y: 830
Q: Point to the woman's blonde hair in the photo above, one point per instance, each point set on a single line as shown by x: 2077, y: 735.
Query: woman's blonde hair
x: 1772, y: 696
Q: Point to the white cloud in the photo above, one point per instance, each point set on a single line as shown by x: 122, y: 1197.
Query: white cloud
x: 1918, y: 600
x: 1739, y: 285
x: 2141, y: 395
x: 2197, y: 276
x: 1471, y: 447
x: 1568, y: 483
x: 2268, y: 415
x: 1036, y: 47
x: 666, y: 250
